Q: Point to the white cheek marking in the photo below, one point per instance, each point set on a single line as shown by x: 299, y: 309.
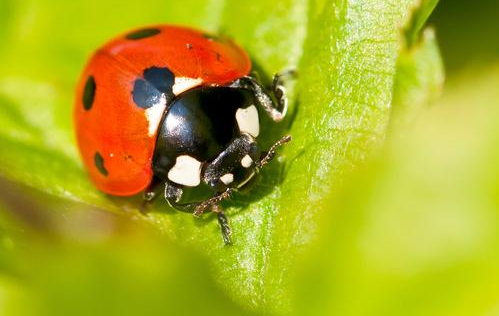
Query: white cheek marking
x: 187, y: 171
x: 246, y: 161
x: 227, y: 178
x: 248, y: 122
x: 154, y: 115
x: 185, y: 83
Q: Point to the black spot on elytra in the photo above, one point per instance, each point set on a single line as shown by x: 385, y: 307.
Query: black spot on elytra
x: 157, y: 82
x: 99, y: 164
x: 89, y: 93
x: 189, y: 46
x: 143, y: 33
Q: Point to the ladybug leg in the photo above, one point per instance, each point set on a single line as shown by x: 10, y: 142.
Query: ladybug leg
x: 269, y: 155
x: 278, y: 88
x: 150, y: 194
x: 152, y: 191
x: 274, y: 100
x: 224, y: 224
x: 213, y: 203
x: 173, y: 194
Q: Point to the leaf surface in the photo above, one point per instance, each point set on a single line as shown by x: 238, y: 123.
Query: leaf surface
x: 346, y: 56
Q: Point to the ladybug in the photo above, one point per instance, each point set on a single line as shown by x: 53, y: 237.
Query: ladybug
x: 173, y: 108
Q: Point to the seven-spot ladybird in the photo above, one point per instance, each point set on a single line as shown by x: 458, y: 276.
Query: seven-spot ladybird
x: 174, y: 108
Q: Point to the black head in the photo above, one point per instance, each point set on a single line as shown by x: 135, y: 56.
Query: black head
x: 235, y: 166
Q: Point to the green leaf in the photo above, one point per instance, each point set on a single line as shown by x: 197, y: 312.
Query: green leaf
x: 416, y: 232
x: 346, y: 55
x: 59, y: 257
x: 420, y: 15
x: 419, y: 80
x: 420, y: 72
x: 102, y: 274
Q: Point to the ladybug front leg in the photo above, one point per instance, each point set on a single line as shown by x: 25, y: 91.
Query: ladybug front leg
x: 224, y: 224
x: 214, y: 204
x: 150, y: 193
x: 173, y: 194
x: 152, y: 190
x: 274, y: 100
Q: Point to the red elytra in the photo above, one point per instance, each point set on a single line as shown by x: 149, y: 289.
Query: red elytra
x: 116, y: 138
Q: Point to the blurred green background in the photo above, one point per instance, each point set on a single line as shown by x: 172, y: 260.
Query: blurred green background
x: 386, y: 203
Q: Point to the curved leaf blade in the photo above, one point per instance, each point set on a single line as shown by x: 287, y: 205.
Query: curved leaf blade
x: 345, y: 52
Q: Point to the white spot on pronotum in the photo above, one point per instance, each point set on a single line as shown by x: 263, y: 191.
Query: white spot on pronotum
x: 248, y: 122
x: 246, y: 161
x: 227, y: 178
x: 185, y: 83
x: 154, y: 115
x: 187, y: 171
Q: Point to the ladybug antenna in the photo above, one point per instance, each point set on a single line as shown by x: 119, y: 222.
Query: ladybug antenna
x: 271, y: 152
